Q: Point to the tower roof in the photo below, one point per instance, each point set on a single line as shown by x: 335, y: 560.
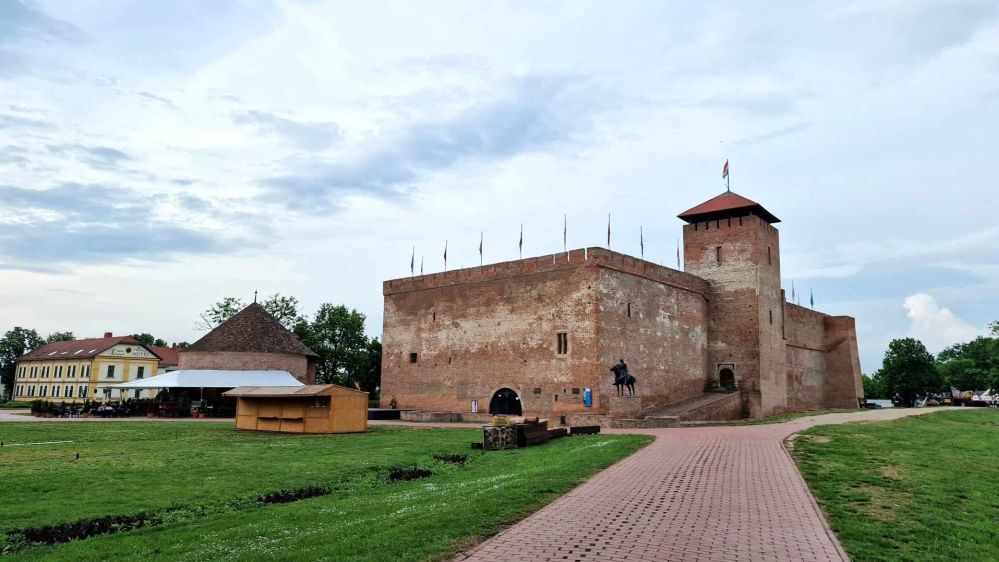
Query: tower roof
x: 727, y: 205
x: 252, y: 329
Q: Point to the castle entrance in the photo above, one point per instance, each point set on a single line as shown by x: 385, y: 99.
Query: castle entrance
x: 726, y: 378
x: 505, y: 402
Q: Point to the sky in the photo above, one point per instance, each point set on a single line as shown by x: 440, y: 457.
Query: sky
x: 157, y: 156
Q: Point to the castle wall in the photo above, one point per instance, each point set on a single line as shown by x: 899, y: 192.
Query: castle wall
x: 660, y: 330
x: 806, y: 358
x: 844, y: 386
x: 477, y: 330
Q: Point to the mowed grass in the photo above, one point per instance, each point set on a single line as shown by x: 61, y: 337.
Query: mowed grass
x: 921, y: 488
x: 788, y: 416
x: 202, y: 479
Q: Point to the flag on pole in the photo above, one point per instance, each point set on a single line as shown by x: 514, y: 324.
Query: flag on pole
x: 412, y: 262
x: 811, y: 297
x: 725, y: 170
x: 793, y: 292
x: 445, y: 255
x: 565, y: 233
x: 608, y: 231
x: 480, y: 248
x: 641, y: 241
x: 520, y: 245
x: 677, y: 253
x: 421, y: 265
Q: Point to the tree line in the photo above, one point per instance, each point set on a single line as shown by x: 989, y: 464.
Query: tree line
x: 909, y: 371
x: 335, y: 332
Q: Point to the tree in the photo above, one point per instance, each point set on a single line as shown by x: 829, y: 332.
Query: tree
x: 336, y: 334
x: 874, y: 386
x: 59, y: 336
x: 220, y: 312
x: 284, y: 309
x: 908, y: 370
x: 14, y: 344
x: 369, y: 376
x: 149, y: 340
x: 971, y: 366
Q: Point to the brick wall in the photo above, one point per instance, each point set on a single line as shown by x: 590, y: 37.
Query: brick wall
x: 298, y: 365
x: 806, y: 358
x: 477, y: 330
x: 744, y: 329
x: 844, y: 386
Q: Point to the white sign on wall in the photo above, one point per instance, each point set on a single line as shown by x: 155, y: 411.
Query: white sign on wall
x: 128, y: 351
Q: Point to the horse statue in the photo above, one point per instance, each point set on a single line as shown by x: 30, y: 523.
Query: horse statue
x: 622, y: 379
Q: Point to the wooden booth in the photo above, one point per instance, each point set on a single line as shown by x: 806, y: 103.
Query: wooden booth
x: 315, y: 408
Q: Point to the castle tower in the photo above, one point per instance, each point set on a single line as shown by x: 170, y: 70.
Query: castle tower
x: 731, y: 242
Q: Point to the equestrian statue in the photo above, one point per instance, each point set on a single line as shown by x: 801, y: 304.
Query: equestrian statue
x: 622, y: 378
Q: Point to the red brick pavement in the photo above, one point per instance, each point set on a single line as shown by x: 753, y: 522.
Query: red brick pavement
x: 705, y: 494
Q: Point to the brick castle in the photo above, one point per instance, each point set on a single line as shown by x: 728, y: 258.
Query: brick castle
x: 538, y: 336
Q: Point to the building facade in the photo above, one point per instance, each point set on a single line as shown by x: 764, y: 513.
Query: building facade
x: 251, y: 340
x: 84, y: 369
x: 538, y: 335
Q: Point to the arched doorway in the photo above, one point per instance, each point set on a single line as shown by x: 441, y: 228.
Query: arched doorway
x: 505, y: 402
x: 726, y: 378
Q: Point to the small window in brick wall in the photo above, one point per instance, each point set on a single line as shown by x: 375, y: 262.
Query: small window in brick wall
x: 718, y: 254
x: 537, y: 391
x: 629, y: 310
x: 771, y: 317
x: 412, y: 357
x: 575, y: 391
x: 769, y: 262
x: 562, y: 343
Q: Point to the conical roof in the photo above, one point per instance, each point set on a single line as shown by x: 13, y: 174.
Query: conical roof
x: 252, y: 329
x: 728, y: 204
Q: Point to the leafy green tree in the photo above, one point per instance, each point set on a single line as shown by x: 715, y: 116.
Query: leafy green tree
x: 908, y: 370
x: 148, y: 339
x: 336, y: 334
x: 14, y: 344
x: 874, y: 386
x: 285, y: 309
x: 369, y: 377
x: 59, y: 336
x: 971, y: 366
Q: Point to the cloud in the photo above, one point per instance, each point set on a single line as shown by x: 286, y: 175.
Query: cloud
x: 24, y: 28
x: 18, y: 122
x: 936, y: 327
x: 100, y: 157
x: 158, y: 99
x: 78, y: 223
x: 313, y: 136
x: 532, y: 113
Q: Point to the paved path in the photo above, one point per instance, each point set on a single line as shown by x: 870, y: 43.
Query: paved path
x: 705, y: 494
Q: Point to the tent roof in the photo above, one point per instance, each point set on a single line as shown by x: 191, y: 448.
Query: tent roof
x: 291, y: 391
x: 213, y: 379
x: 726, y: 205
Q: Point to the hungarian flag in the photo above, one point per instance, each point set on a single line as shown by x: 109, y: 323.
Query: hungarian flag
x: 608, y: 230
x: 725, y: 169
x: 445, y: 253
x: 520, y: 245
x: 480, y: 248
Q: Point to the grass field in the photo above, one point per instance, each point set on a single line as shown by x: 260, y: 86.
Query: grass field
x: 922, y: 488
x: 201, y: 482
x: 788, y: 416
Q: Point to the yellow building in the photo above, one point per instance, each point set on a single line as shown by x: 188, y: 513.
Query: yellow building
x: 80, y: 370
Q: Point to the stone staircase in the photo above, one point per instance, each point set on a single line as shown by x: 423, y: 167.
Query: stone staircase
x: 687, y: 410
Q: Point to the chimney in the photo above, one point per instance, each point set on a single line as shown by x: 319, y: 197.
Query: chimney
x: 108, y: 335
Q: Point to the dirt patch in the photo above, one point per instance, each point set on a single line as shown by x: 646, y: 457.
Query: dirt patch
x: 288, y: 496
x: 404, y: 473
x: 78, y: 530
x: 892, y: 472
x: 452, y: 458
x: 882, y: 503
x: 818, y: 438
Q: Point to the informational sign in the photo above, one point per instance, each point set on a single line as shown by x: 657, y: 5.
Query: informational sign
x: 125, y: 350
x: 475, y: 406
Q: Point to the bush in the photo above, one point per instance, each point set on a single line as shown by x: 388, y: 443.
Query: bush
x: 15, y: 405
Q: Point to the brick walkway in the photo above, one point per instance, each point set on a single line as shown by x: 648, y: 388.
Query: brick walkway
x: 706, y: 494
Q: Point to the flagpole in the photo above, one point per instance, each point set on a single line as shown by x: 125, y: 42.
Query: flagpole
x: 445, y: 256
x: 565, y: 233
x: 520, y: 245
x: 608, y: 231
x: 480, y: 248
x: 641, y: 241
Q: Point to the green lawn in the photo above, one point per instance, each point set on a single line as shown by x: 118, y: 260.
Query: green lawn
x: 921, y: 488
x: 201, y: 480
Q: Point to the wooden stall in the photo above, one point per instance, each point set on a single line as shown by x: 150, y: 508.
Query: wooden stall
x: 316, y: 408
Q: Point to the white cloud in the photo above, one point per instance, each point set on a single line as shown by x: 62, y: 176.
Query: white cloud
x: 936, y: 327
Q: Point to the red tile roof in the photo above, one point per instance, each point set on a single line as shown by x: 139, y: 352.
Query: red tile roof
x: 76, y: 349
x: 169, y: 356
x: 724, y: 205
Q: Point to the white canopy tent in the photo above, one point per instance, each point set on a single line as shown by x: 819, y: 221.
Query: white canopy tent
x: 212, y: 379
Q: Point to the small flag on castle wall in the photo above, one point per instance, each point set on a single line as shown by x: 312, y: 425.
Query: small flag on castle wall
x: 520, y: 245
x: 565, y: 233
x: 608, y: 231
x: 412, y: 262
x: 725, y: 170
x: 445, y: 255
x: 480, y: 248
x: 678, y: 254
x: 641, y: 241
